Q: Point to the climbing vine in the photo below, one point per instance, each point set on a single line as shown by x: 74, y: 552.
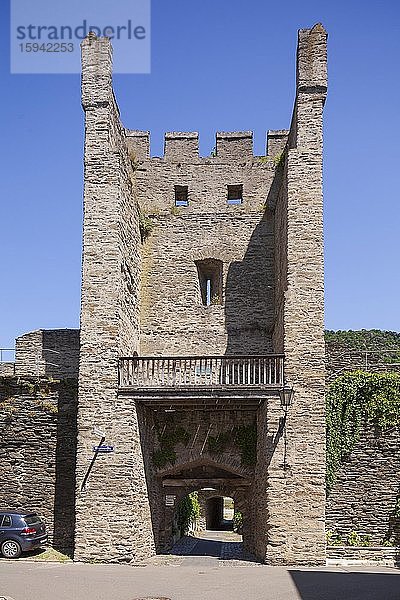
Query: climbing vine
x: 244, y: 437
x: 237, y: 521
x: 168, y: 438
x: 246, y: 440
x: 352, y: 399
x: 187, y: 512
x: 279, y: 160
x: 352, y: 539
x: 217, y: 444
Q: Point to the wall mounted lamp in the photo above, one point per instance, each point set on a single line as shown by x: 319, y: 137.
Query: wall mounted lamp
x: 286, y: 394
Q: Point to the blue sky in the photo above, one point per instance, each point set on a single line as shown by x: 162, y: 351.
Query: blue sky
x: 216, y: 65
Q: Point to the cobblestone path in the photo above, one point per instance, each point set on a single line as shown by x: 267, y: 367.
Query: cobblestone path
x: 216, y: 548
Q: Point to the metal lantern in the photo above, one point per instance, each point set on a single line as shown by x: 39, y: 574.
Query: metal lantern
x: 286, y: 394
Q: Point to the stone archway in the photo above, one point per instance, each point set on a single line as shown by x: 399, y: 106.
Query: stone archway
x: 203, y: 474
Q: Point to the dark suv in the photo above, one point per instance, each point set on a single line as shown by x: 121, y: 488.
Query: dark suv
x: 20, y: 531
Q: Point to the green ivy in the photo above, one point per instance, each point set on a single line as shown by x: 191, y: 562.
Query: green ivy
x: 237, y: 521
x: 355, y: 539
x: 244, y: 437
x: 352, y: 539
x: 353, y: 399
x: 218, y: 444
x: 333, y: 539
x: 168, y: 438
x: 163, y: 456
x: 187, y: 511
x: 279, y: 160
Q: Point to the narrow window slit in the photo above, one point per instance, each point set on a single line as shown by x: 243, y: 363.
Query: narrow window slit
x: 210, y: 280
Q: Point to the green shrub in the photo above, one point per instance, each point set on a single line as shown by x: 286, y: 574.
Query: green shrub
x: 237, y: 521
x: 187, y: 512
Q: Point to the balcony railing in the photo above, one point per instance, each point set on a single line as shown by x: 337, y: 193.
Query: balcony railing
x: 189, y: 371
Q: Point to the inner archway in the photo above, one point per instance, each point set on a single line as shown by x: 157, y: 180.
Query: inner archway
x: 203, y: 525
x: 219, y: 513
x: 222, y: 495
x: 215, y: 513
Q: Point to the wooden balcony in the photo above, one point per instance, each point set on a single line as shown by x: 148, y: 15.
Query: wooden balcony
x: 207, y: 381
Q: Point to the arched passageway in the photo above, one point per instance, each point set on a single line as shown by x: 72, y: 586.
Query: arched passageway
x: 215, y: 513
x: 204, y: 526
x: 219, y: 513
x: 220, y: 493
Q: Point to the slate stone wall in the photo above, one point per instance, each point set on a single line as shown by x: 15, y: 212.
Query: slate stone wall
x: 294, y: 487
x: 37, y: 452
x: 340, y: 360
x: 364, y: 496
x: 174, y: 320
x: 374, y: 555
x: 365, y: 493
x: 48, y: 352
x: 112, y: 499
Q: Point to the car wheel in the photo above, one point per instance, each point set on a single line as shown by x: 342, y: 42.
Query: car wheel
x: 10, y: 549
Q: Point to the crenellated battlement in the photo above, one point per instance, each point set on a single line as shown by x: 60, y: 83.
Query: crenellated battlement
x: 183, y: 146
x: 276, y: 141
x: 180, y: 145
x: 234, y: 145
x: 138, y: 143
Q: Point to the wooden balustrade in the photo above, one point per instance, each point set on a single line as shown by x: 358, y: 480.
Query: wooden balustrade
x: 188, y: 371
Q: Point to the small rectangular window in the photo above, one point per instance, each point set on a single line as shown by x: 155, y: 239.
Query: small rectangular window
x: 235, y: 194
x: 181, y: 195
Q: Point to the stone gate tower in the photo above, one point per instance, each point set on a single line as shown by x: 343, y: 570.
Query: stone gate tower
x: 202, y: 293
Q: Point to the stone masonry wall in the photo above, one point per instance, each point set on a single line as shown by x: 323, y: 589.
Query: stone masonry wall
x: 338, y: 361
x: 356, y: 555
x: 295, y: 485
x: 365, y: 493
x: 51, y: 352
x: 248, y: 315
x: 37, y: 452
x: 174, y: 320
x: 114, y: 495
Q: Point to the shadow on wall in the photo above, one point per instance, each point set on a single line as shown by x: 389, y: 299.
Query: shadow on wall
x: 60, y: 352
x: 249, y: 294
x: 64, y: 493
x: 320, y: 585
x: 156, y: 493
